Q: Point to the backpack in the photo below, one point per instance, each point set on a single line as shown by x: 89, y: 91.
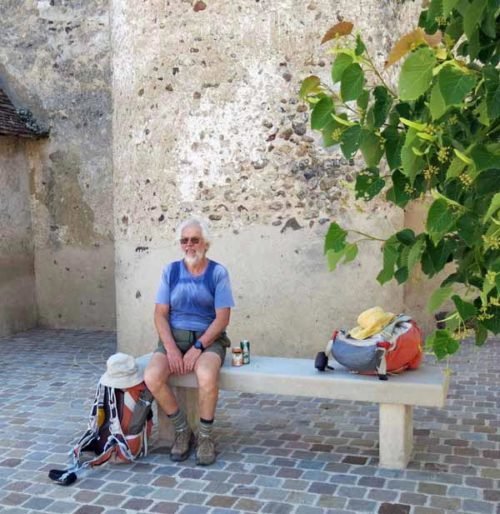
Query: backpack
x: 120, y: 424
x: 208, y: 277
x: 396, y: 348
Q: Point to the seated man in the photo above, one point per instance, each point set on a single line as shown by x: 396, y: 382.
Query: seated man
x: 193, y: 306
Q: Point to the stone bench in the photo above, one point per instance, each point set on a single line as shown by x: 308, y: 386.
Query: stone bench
x: 425, y: 387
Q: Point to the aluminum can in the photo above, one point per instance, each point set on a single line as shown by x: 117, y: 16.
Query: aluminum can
x: 237, y: 359
x: 245, y: 350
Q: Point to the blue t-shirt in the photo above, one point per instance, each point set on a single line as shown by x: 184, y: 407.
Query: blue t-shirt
x: 192, y: 304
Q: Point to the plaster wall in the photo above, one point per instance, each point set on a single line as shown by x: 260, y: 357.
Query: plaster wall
x: 54, y: 60
x: 207, y: 121
x: 17, y: 277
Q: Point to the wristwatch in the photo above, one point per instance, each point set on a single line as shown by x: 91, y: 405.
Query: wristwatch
x: 198, y: 345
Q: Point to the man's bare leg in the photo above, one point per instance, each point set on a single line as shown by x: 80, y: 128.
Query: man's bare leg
x: 207, y: 373
x: 156, y: 378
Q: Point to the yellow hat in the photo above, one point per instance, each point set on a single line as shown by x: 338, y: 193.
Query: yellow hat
x: 370, y: 322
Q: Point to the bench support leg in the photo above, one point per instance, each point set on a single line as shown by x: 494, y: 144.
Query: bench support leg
x: 395, y: 435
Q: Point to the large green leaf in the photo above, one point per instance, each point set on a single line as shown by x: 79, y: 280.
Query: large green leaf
x: 484, y: 159
x: 327, y: 131
x: 322, y: 113
x: 347, y: 254
x: 369, y: 183
x: 465, y: 309
x: 350, y: 252
x: 416, y: 74
x: 481, y: 334
x: 487, y: 182
x: 438, y: 297
x: 456, y: 167
x: 437, y: 105
x: 493, y: 323
x: 382, y: 105
x: 406, y: 236
x: 371, y: 147
x: 410, y: 161
x: 352, y: 82
x: 493, y: 208
x: 473, y: 16
x: 391, y: 247
x: 398, y: 193
x: 333, y: 258
x: 441, y: 218
x: 350, y: 141
x: 439, y: 254
x: 448, y: 5
x: 341, y: 62
x: 442, y: 344
x: 310, y: 85
x: 401, y: 275
x: 454, y: 85
x: 492, y: 84
x: 415, y: 253
x: 394, y: 141
x: 469, y: 229
x: 335, y: 238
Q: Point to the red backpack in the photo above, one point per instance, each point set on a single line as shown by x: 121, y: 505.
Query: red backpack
x: 120, y: 425
x: 396, y: 348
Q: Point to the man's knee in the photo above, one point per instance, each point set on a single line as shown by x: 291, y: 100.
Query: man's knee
x: 154, y: 377
x: 207, y: 377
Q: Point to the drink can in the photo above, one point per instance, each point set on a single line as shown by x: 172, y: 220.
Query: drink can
x: 245, y: 349
x: 237, y: 359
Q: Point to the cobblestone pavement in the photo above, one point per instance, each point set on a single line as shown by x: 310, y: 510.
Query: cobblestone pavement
x: 276, y: 454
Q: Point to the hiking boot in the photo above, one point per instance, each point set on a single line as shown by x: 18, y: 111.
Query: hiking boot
x: 205, y: 451
x: 182, y: 445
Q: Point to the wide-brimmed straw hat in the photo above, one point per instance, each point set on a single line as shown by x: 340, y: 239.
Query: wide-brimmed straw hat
x: 122, y: 371
x: 371, y: 322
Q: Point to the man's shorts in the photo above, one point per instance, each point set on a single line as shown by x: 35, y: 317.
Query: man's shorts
x: 186, y: 338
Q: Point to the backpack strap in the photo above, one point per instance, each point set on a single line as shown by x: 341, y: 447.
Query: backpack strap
x: 208, y: 276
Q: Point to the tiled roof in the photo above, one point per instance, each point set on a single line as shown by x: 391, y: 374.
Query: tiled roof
x: 17, y: 122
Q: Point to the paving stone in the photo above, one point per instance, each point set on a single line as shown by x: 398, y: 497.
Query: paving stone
x: 361, y: 505
x: 277, y: 508
x: 218, y: 488
x: 247, y: 504
x: 165, y: 507
x: 383, y: 495
x: 138, y: 504
x: 331, y: 502
x: 62, y: 507
x: 300, y: 497
x: 443, y: 502
x: 222, y: 501
x: 306, y: 509
x: 413, y: 498
x: 194, y: 509
x: 428, y: 488
x: 478, y: 506
x: 322, y: 488
x: 272, y: 494
x: 89, y: 509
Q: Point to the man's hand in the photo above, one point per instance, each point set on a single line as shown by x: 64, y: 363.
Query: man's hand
x: 190, y: 358
x: 175, y: 361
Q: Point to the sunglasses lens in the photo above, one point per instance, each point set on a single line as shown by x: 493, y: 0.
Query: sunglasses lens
x: 186, y: 240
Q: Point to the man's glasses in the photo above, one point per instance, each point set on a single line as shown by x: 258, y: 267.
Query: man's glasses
x: 186, y: 240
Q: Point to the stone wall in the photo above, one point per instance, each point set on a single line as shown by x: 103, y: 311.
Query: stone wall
x: 17, y: 277
x: 54, y: 59
x: 207, y: 121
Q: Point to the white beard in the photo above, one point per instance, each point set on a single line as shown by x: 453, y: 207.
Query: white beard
x: 192, y: 260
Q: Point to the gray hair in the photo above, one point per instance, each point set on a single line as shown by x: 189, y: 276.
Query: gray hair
x: 195, y: 222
